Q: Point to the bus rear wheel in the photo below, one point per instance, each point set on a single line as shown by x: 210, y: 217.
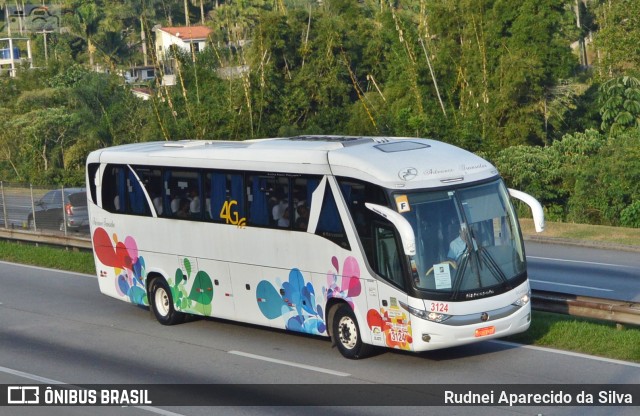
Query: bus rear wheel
x: 347, y: 334
x: 161, y: 303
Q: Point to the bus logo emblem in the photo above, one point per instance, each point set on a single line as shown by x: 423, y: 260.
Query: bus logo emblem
x: 484, y: 317
x: 408, y: 174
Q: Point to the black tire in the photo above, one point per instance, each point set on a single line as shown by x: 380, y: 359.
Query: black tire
x: 161, y: 303
x: 346, y: 334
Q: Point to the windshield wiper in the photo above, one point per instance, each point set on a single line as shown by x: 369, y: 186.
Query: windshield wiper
x: 462, y: 267
x: 493, y: 267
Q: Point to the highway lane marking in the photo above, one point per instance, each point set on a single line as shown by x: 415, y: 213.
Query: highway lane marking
x: 29, y: 376
x: 45, y: 380
x: 581, y: 261
x: 569, y: 353
x: 570, y: 285
x: 28, y: 266
x: 290, y: 364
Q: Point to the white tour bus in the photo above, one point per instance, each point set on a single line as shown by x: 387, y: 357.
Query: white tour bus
x: 394, y: 242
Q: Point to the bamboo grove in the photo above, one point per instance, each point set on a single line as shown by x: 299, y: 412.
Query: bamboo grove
x: 548, y: 90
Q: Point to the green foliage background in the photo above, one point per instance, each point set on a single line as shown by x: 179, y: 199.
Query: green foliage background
x: 496, y: 77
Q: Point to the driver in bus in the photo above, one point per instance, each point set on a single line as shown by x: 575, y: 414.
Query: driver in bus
x: 457, y: 246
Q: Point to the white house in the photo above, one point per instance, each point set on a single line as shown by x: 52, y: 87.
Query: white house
x: 183, y: 38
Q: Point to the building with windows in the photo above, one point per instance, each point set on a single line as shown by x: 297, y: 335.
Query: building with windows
x: 12, y: 54
x: 186, y: 38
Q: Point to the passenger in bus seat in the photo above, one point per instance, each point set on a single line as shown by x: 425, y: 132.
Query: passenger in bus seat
x: 278, y: 210
x: 284, y: 219
x: 175, y: 205
x: 194, y: 205
x: 207, y: 205
x: 183, y: 210
x: 303, y: 216
x: 157, y: 203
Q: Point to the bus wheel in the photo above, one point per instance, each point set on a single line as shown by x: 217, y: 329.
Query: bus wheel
x: 161, y: 303
x: 347, y: 334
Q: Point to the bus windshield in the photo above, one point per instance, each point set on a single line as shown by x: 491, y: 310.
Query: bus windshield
x: 467, y: 240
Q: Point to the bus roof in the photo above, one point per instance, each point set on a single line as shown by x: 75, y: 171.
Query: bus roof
x: 393, y: 162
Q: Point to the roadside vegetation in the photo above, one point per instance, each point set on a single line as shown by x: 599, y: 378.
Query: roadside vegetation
x: 603, y: 339
x: 547, y: 90
x: 589, y: 234
x: 47, y: 256
x: 547, y: 329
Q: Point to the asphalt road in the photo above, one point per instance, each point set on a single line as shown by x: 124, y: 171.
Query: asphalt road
x: 609, y: 274
x: 55, y: 327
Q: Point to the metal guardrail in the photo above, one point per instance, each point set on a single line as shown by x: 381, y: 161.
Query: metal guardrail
x: 78, y: 242
x: 620, y: 312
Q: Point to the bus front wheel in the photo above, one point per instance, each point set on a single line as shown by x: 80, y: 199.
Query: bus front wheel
x: 161, y: 303
x: 347, y: 334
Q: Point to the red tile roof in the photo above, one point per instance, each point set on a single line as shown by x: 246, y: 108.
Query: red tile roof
x: 188, y: 32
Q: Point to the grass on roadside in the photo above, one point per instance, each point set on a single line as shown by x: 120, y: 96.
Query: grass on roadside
x: 581, y: 335
x: 585, y: 232
x: 44, y: 256
x: 547, y: 329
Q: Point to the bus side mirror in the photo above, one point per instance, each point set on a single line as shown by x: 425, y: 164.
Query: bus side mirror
x: 536, y: 208
x: 402, y: 225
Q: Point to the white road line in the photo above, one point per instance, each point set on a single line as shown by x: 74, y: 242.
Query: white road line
x: 29, y: 376
x: 290, y: 364
x: 581, y: 261
x: 45, y: 380
x: 569, y: 353
x: 567, y: 284
x: 28, y: 266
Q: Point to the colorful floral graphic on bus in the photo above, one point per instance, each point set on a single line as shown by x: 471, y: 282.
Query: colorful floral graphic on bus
x: 394, y: 324
x: 349, y: 285
x: 198, y: 300
x: 295, y: 302
x: 128, y: 266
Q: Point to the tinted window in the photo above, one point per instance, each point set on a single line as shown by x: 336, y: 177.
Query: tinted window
x: 79, y: 199
x: 121, y: 192
x: 330, y: 224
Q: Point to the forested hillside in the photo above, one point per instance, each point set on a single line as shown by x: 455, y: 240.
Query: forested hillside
x: 548, y: 90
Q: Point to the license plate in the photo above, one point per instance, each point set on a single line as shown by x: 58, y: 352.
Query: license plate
x: 483, y: 332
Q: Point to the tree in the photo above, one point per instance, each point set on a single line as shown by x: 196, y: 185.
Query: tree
x: 616, y: 39
x: 620, y: 104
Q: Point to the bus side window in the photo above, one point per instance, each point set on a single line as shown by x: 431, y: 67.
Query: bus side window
x: 225, y: 197
x: 137, y: 202
x: 330, y: 224
x: 356, y: 193
x: 92, y: 171
x: 258, y: 198
x: 387, y: 257
x: 182, y: 189
x: 113, y: 189
x: 151, y: 178
x: 302, y: 195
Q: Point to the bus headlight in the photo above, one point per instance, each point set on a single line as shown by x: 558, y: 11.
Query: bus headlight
x: 523, y: 300
x: 422, y: 314
x: 437, y: 317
